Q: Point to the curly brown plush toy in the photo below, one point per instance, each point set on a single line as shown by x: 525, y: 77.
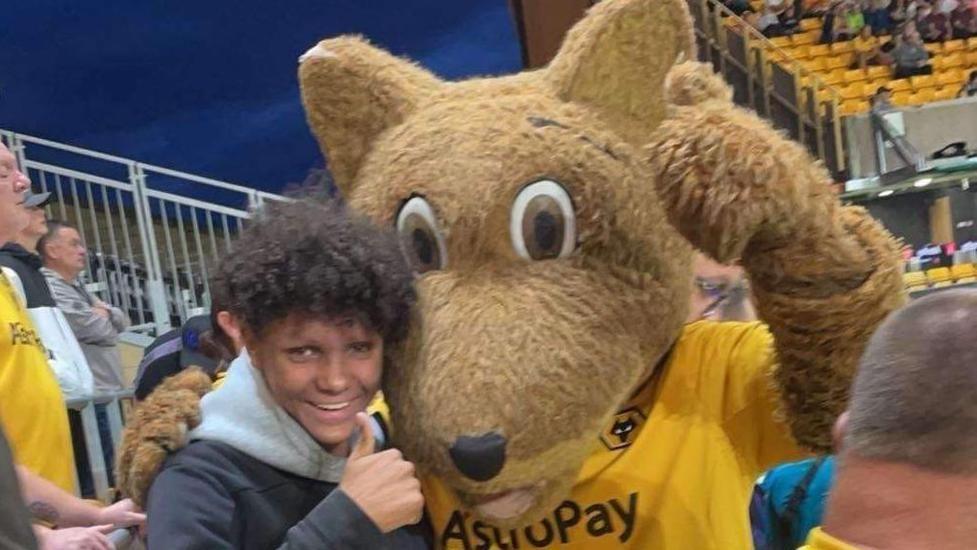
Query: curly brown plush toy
x: 549, y: 391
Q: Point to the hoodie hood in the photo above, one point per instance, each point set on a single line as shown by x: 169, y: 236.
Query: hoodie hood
x: 241, y: 413
x: 17, y: 251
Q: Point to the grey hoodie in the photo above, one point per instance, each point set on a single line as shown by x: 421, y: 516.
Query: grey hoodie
x: 253, y: 478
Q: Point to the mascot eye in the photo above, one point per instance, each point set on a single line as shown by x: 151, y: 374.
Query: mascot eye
x: 543, y: 225
x: 418, y: 228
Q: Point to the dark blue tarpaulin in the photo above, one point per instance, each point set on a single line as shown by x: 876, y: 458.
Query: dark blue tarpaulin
x: 210, y: 87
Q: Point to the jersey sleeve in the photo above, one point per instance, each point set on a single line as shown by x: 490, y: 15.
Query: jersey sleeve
x: 734, y: 366
x: 752, y: 414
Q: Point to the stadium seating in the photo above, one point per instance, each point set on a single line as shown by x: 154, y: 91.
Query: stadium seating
x: 952, y: 62
x: 939, y: 276
x: 963, y: 273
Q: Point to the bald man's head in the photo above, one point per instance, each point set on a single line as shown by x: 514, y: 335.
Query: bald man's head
x: 915, y: 395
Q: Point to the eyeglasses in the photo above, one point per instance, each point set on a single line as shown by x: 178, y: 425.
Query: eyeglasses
x: 719, y: 292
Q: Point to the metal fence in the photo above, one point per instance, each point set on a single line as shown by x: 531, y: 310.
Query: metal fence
x: 153, y: 234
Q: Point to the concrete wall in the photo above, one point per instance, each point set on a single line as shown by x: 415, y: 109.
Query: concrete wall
x: 928, y: 127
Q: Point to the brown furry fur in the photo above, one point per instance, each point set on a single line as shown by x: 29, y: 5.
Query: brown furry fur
x: 159, y: 426
x: 544, y: 352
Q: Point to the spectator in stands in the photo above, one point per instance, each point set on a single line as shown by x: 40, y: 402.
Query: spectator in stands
x: 70, y: 522
x: 22, y: 266
x: 969, y: 89
x: 947, y: 7
x: 906, y: 476
x: 738, y: 7
x: 65, y: 357
x: 788, y: 21
x: 828, y: 24
x: 319, y: 297
x: 933, y: 25
x: 769, y: 24
x: 882, y: 100
x: 201, y: 342
x: 963, y: 21
x: 867, y: 50
x: 898, y: 11
x: 848, y: 22
x: 878, y: 17
x: 32, y: 411
x: 910, y: 57
x: 96, y: 325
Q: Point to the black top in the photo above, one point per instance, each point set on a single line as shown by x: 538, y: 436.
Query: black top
x: 27, y: 266
x: 210, y: 495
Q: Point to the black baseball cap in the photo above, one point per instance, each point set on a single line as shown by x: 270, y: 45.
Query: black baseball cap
x: 36, y: 200
x: 190, y: 354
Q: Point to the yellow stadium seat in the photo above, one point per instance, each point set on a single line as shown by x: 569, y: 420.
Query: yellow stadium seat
x: 901, y: 85
x: 954, y: 46
x: 972, y: 43
x: 879, y: 71
x: 950, y: 77
x: 925, y: 95
x: 799, y: 52
x: 939, y: 276
x: 953, y: 60
x: 803, y: 39
x: 901, y: 98
x: 843, y: 47
x: 964, y: 273
x: 811, y: 24
x: 780, y: 41
x: 840, y: 61
x: 922, y: 81
x: 814, y: 65
x: 971, y: 58
x: 914, y: 280
x: 855, y: 75
x: 948, y: 92
x: 934, y: 48
x: 819, y: 50
x: 852, y: 91
x: 853, y: 107
x: 834, y: 77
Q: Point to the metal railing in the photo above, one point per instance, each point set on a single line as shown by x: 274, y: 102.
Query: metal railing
x: 90, y: 433
x: 153, y: 234
x: 768, y: 80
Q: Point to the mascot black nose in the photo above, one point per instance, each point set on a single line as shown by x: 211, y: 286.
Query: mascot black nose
x: 480, y: 457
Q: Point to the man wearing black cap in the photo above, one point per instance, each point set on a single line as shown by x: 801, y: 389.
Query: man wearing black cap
x: 21, y: 256
x: 199, y: 342
x: 22, y: 265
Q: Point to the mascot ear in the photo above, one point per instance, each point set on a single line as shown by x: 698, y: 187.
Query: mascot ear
x: 616, y: 58
x: 352, y: 92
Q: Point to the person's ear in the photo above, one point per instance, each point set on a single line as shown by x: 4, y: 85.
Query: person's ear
x: 232, y: 328
x: 838, y: 431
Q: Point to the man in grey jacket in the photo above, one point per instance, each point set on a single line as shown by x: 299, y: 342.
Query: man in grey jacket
x: 96, y: 324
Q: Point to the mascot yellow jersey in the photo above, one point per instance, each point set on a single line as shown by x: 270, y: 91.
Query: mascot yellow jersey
x: 674, y: 469
x: 32, y: 410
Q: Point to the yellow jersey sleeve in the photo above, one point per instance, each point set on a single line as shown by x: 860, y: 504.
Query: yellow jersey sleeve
x: 32, y: 410
x: 736, y: 362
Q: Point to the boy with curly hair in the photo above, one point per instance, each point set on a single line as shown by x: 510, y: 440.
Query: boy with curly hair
x: 284, y: 455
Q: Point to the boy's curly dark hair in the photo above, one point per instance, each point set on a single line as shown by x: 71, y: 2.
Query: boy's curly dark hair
x: 315, y: 258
